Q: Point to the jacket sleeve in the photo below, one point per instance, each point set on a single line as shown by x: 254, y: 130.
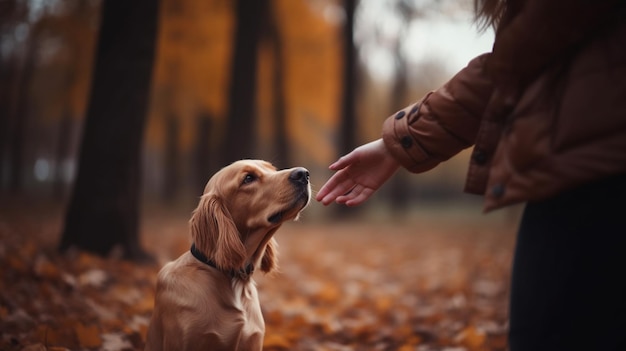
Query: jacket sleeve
x: 443, y: 123
x: 541, y: 32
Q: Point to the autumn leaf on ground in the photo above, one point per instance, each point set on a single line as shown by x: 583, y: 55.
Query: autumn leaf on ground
x: 341, y: 286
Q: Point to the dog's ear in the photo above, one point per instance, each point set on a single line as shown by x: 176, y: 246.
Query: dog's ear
x: 215, y: 234
x: 269, y: 262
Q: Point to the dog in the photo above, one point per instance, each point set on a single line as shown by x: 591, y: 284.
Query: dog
x: 206, y: 299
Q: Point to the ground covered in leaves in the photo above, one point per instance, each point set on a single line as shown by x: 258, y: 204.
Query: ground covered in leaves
x: 418, y: 284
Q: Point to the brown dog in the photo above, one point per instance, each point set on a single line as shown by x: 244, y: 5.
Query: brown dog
x: 206, y: 299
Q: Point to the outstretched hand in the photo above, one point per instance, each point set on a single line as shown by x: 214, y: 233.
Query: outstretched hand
x: 359, y: 174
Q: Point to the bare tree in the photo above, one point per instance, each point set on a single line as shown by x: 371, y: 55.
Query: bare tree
x: 172, y: 158
x: 203, y: 160
x: 21, y: 105
x: 12, y: 83
x: 347, y: 132
x: 399, y: 183
x: 103, y: 212
x: 240, y: 137
x: 272, y: 37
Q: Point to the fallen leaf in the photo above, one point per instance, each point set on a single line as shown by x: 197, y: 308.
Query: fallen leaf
x: 34, y: 347
x: 88, y: 336
x: 348, y: 288
x: 93, y: 277
x: 46, y: 269
x: 276, y: 342
x: 115, y: 342
x: 471, y: 337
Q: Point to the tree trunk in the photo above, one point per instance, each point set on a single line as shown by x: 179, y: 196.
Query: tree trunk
x: 399, y: 184
x: 240, y: 136
x: 273, y: 36
x: 347, y: 130
x: 21, y: 114
x: 204, y: 166
x: 103, y: 212
x: 172, y: 156
x: 11, y: 13
x: 62, y: 153
x: 7, y: 77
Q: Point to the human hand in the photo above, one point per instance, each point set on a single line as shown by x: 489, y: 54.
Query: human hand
x: 359, y: 174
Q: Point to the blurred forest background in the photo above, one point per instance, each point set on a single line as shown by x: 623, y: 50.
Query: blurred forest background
x: 325, y: 74
x: 114, y: 114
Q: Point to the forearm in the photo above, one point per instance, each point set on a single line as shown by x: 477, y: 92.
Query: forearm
x: 443, y: 123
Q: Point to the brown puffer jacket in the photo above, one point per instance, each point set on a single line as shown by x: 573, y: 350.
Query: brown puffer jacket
x: 545, y: 110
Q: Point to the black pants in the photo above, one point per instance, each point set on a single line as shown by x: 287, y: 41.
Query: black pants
x: 569, y: 272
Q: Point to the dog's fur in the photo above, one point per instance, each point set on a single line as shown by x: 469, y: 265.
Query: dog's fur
x: 199, y: 306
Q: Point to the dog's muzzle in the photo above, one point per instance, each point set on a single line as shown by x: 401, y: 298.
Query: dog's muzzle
x: 300, y: 175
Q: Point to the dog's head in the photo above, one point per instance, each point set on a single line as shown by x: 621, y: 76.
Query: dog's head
x: 242, y: 207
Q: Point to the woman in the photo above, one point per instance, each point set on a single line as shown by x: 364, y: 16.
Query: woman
x: 546, y: 114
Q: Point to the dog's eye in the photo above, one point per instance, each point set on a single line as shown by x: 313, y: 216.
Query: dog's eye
x: 249, y: 178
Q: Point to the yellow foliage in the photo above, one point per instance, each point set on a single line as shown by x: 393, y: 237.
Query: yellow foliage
x: 192, y: 71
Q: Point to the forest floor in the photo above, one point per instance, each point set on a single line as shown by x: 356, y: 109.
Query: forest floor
x: 436, y: 281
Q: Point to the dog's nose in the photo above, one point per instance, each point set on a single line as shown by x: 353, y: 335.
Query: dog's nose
x: 299, y: 175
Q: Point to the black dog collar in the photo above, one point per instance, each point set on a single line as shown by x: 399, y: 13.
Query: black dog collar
x: 242, y: 273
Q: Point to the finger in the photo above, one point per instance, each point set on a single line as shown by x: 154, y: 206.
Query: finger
x: 356, y: 197
x: 360, y: 198
x: 349, y: 195
x: 322, y: 192
x: 342, y: 162
x: 328, y: 186
x: 338, y: 190
x: 335, y: 185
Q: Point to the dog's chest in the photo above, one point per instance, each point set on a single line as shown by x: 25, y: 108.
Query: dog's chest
x: 246, y: 300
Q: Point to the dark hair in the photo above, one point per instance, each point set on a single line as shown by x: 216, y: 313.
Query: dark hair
x: 489, y: 12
